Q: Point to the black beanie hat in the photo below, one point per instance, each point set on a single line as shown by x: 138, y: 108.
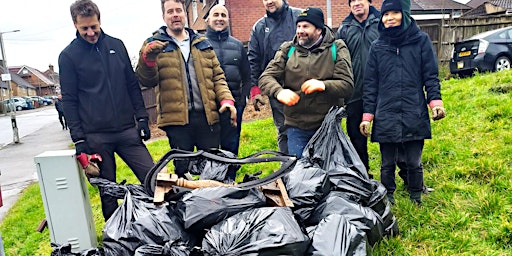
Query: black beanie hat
x: 391, y: 5
x: 312, y: 15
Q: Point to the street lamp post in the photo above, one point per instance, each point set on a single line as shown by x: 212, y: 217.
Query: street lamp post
x: 7, y: 78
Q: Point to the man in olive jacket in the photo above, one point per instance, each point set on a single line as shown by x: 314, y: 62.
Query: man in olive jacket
x: 190, y: 84
x: 309, y: 79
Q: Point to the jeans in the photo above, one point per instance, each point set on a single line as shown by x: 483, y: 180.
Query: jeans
x: 128, y: 145
x: 408, y: 154
x: 229, y: 135
x: 197, y: 133
x: 278, y: 115
x: 298, y: 139
x: 359, y: 141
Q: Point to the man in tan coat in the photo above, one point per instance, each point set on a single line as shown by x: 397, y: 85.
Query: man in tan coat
x: 191, y: 88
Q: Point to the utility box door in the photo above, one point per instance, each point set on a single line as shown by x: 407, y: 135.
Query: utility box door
x: 66, y: 200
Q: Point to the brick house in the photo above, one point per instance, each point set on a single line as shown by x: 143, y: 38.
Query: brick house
x: 44, y: 86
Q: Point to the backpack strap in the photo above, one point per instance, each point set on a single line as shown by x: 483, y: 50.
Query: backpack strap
x: 290, y: 51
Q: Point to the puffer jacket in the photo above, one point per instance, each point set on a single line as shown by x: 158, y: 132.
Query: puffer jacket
x: 267, y: 34
x: 401, y: 79
x: 168, y: 77
x: 303, y: 65
x: 233, y: 60
x: 100, y: 92
x: 358, y: 38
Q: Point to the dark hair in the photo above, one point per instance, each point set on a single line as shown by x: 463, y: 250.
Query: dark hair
x: 84, y: 8
x: 351, y: 1
x: 177, y: 1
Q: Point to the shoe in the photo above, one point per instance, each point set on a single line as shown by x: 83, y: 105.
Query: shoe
x: 391, y: 198
x: 427, y: 190
x: 415, y: 197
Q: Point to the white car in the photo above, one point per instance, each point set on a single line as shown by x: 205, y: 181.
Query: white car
x: 19, y: 104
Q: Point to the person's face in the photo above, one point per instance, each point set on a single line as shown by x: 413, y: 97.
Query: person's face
x: 174, y: 16
x: 218, y: 19
x: 307, y: 33
x: 88, y: 28
x: 272, y: 5
x: 360, y: 8
x: 392, y: 19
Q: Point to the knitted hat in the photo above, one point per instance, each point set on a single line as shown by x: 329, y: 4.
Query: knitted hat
x: 312, y: 15
x: 403, y: 6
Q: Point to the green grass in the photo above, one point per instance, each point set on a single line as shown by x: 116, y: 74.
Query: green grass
x: 468, y: 162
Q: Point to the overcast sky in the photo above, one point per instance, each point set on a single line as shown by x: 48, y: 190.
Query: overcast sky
x: 46, y: 27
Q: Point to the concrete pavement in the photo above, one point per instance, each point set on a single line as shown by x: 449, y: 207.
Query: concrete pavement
x: 17, y: 160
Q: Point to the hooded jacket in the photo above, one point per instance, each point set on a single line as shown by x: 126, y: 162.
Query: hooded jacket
x: 358, y: 38
x: 100, y: 91
x: 290, y: 73
x: 267, y: 34
x: 401, y: 78
x: 233, y: 60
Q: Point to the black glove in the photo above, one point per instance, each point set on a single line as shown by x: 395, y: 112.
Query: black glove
x: 82, y: 147
x: 143, y: 126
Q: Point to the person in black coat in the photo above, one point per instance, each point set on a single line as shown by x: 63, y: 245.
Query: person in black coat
x: 233, y: 60
x: 401, y: 83
x: 59, y: 106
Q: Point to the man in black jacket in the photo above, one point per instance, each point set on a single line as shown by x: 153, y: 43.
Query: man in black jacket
x: 233, y: 60
x: 102, y: 100
x: 359, y: 29
x: 267, y: 34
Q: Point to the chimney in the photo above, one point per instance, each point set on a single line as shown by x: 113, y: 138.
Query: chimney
x: 51, y: 68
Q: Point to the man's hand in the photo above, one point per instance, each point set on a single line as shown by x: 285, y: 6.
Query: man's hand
x: 144, y: 131
x: 364, y: 128
x: 90, y: 164
x: 288, y: 97
x: 152, y: 50
x: 256, y: 98
x: 312, y: 85
x: 229, y: 105
x: 82, y: 147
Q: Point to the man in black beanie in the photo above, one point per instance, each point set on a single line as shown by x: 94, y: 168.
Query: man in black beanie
x: 308, y: 75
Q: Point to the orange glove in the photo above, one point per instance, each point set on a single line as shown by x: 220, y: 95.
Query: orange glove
x: 229, y: 105
x: 364, y: 126
x: 90, y: 164
x: 438, y: 111
x: 152, y: 50
x: 256, y: 98
x: 312, y: 85
x: 288, y: 97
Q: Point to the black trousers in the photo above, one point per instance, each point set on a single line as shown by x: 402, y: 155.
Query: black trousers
x: 128, y: 145
x: 408, y: 154
x: 197, y: 133
x: 62, y: 120
x: 360, y: 142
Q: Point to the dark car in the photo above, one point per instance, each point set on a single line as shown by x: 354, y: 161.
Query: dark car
x: 488, y: 51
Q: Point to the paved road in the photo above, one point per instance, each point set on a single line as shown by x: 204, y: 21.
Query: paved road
x: 39, y: 131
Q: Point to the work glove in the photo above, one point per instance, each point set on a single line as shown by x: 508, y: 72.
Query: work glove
x: 438, y: 111
x: 364, y: 126
x: 152, y: 50
x: 312, y: 85
x: 256, y: 98
x: 89, y: 164
x: 144, y: 131
x: 229, y: 105
x: 288, y: 97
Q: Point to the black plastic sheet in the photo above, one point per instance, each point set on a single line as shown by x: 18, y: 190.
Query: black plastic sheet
x: 205, y: 207
x: 138, y: 221
x: 306, y: 185
x: 264, y: 231
x: 209, y: 169
x: 336, y: 235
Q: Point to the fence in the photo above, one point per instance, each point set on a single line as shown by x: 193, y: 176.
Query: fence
x: 445, y: 33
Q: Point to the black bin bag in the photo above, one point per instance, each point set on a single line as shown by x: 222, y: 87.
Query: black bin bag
x: 205, y: 207
x: 65, y: 250
x: 263, y: 231
x: 335, y: 235
x: 306, y: 185
x: 137, y: 221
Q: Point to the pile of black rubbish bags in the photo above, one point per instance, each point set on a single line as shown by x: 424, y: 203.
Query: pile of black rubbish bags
x: 337, y: 210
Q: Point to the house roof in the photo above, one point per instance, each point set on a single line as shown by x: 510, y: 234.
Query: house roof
x: 431, y: 5
x: 39, y: 74
x: 16, y: 79
x: 503, y: 6
x: 475, y: 3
